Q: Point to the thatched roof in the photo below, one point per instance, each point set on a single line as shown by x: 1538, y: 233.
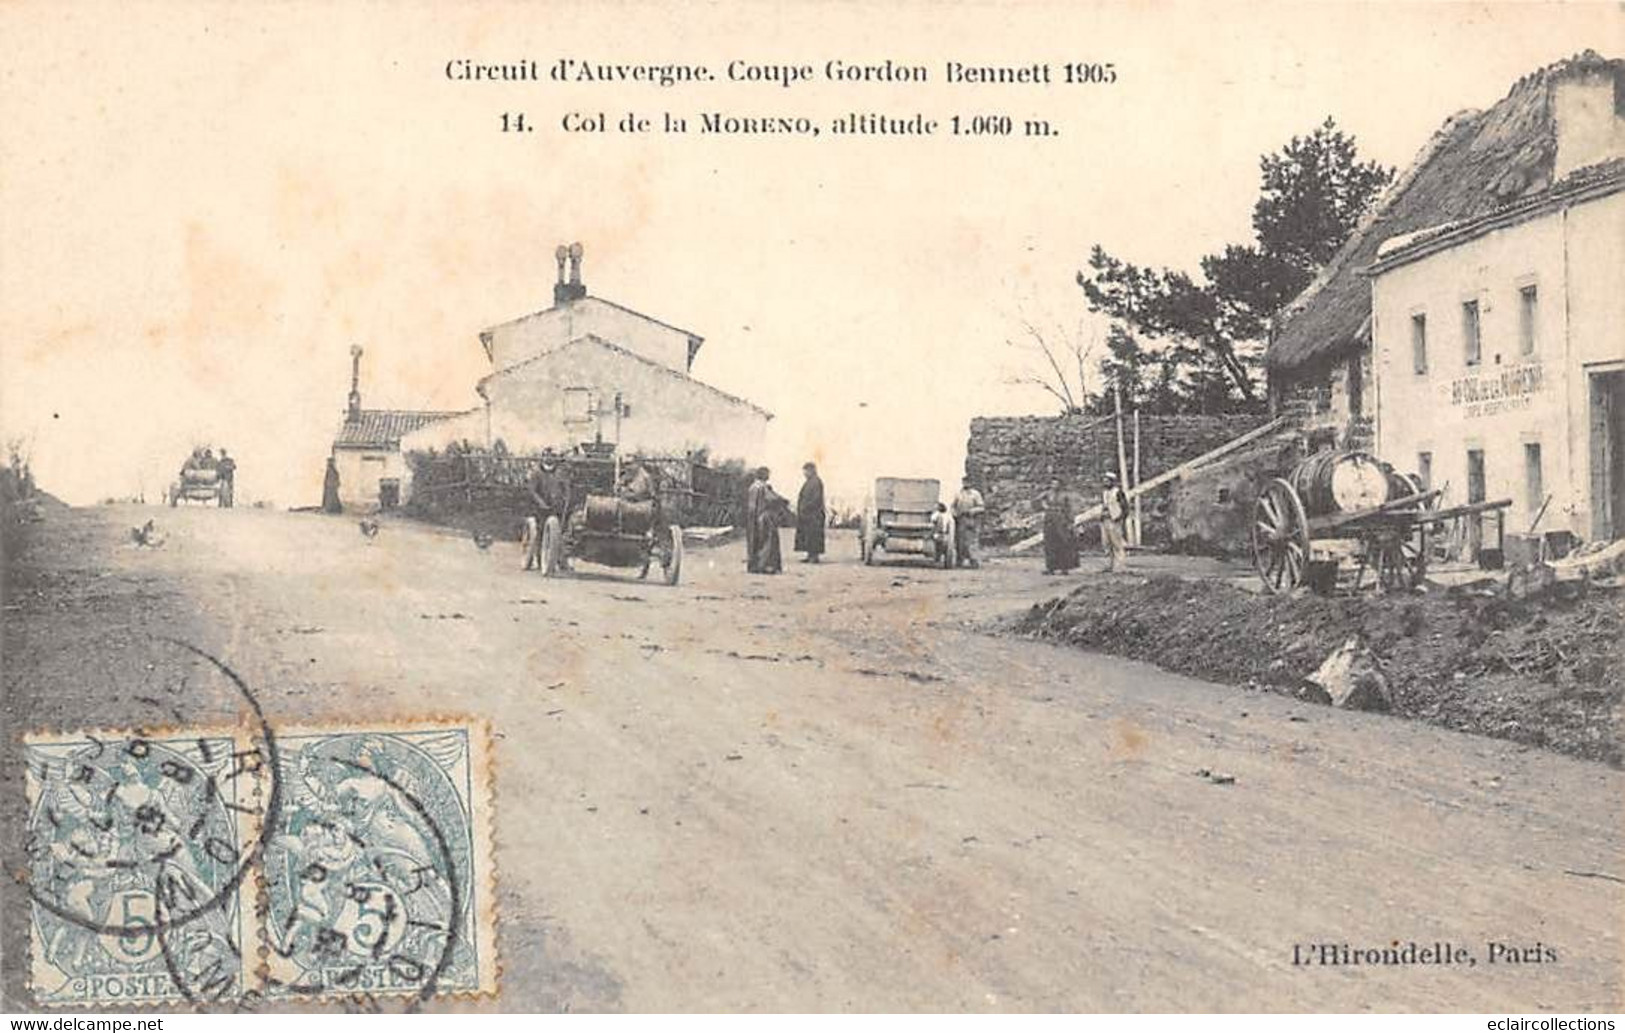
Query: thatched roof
x: 1477, y: 162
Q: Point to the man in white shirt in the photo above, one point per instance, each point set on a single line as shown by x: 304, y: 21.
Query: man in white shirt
x: 968, y: 507
x: 1113, y: 523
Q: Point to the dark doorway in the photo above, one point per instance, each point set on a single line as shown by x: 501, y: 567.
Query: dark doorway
x: 1475, y: 493
x: 389, y: 493
x: 1607, y: 455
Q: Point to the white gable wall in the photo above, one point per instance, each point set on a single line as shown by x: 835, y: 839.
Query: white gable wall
x: 512, y: 343
x: 543, y: 404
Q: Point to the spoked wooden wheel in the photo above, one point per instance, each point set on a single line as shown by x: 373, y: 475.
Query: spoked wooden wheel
x: 671, y: 560
x: 552, y: 546
x: 1402, y: 558
x: 1400, y: 555
x: 1280, y: 537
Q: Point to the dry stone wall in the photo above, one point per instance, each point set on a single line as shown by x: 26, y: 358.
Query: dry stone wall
x: 1015, y: 460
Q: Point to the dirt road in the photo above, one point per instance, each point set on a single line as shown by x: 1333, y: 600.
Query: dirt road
x: 829, y: 790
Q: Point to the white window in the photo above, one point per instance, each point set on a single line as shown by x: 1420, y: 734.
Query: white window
x: 578, y: 405
x: 1534, y: 482
x: 1419, y: 342
x: 1471, y: 336
x: 1528, y: 313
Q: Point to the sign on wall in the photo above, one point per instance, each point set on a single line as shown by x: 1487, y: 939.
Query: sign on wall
x: 1508, y: 390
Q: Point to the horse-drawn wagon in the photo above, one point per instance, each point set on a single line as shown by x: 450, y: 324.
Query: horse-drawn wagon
x: 1342, y: 506
x: 202, y: 480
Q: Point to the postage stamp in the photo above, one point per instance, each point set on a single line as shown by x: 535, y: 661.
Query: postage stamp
x: 378, y: 869
x: 138, y: 848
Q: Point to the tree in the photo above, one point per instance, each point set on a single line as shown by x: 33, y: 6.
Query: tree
x: 1057, y: 363
x: 1312, y: 194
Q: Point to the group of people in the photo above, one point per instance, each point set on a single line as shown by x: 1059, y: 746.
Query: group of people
x: 1060, y: 533
x: 223, y: 466
x: 766, y: 509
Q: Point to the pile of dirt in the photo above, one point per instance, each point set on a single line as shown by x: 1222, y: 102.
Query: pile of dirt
x: 1548, y: 672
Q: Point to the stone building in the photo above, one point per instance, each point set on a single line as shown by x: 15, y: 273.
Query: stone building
x: 367, y: 449
x: 588, y: 370
x: 1499, y: 349
x: 1552, y: 122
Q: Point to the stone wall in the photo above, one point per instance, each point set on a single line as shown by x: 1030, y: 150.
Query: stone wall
x: 1014, y: 460
x: 1210, y: 512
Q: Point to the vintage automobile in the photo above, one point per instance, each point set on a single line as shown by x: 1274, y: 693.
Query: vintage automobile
x: 609, y: 531
x: 897, y: 520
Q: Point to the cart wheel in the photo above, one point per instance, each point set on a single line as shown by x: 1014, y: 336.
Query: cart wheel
x: 671, y: 564
x: 1280, y: 537
x: 530, y: 544
x: 552, y: 546
x: 1402, y: 559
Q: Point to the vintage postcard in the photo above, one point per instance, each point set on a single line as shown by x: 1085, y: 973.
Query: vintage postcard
x: 878, y: 507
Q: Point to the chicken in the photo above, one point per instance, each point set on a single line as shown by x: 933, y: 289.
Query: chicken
x: 369, y: 528
x: 482, y: 541
x: 147, y: 534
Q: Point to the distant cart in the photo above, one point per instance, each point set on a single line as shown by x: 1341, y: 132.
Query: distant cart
x: 898, y: 521
x: 1343, y: 507
x: 202, y: 484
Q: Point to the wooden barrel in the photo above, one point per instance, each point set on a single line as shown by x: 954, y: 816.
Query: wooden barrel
x: 199, y: 475
x: 1341, y: 482
x: 608, y: 514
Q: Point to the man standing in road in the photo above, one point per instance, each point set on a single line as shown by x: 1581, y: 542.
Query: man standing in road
x: 810, y: 515
x: 968, y: 507
x: 330, y: 488
x: 549, y: 490
x: 1113, y: 523
x: 228, y: 479
x: 754, y: 494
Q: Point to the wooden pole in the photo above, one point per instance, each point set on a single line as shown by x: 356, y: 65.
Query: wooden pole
x: 1134, y: 536
x: 1122, y: 461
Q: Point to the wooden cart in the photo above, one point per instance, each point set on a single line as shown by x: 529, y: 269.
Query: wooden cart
x: 1340, y: 507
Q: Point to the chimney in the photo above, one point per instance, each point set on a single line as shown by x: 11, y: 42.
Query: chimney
x: 573, y: 289
x: 354, y: 413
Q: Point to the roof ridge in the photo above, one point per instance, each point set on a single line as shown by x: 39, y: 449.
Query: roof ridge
x: 1379, y: 208
x: 602, y: 301
x: 594, y: 338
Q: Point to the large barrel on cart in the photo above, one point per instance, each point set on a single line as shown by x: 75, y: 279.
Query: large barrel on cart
x: 1341, y: 505
x: 198, y: 483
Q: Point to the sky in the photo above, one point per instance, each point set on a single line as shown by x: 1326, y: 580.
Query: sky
x: 203, y: 206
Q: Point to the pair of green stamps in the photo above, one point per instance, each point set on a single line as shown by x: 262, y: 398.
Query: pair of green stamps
x: 212, y: 866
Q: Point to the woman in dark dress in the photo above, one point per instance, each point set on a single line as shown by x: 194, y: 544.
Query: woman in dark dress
x: 1060, y: 538
x: 771, y: 508
x: 810, y: 515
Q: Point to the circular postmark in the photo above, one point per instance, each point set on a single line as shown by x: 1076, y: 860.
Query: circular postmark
x: 133, y: 835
